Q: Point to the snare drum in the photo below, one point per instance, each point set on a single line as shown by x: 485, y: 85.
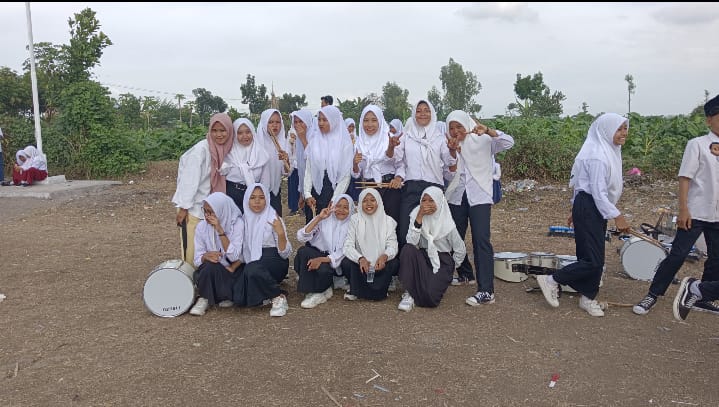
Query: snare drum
x: 503, y: 262
x: 543, y: 259
x: 169, y: 290
x: 641, y: 258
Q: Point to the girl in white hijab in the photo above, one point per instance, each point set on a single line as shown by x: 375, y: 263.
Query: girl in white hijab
x: 33, y: 168
x: 433, y: 250
x: 424, y: 155
x: 303, y: 125
x: 246, y: 162
x: 352, y: 189
x: 329, y: 160
x: 470, y: 197
x: 597, y: 181
x: 271, y: 126
x: 318, y: 261
x: 265, y: 253
x: 370, y: 249
x: 395, y: 127
x: 351, y: 129
x: 218, y: 250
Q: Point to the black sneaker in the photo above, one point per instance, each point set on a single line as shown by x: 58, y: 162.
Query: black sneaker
x: 706, y: 306
x: 481, y: 298
x: 645, y: 305
x: 5, y: 183
x: 684, y: 300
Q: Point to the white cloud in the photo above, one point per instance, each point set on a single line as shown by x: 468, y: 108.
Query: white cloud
x: 688, y: 13
x: 513, y: 12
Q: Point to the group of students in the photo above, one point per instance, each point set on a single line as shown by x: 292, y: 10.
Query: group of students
x: 426, y: 185
x: 30, y: 166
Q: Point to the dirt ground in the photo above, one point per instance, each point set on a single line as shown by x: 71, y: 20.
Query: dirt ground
x: 74, y: 329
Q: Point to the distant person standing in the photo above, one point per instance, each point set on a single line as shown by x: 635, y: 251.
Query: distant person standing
x: 326, y: 100
x: 698, y: 213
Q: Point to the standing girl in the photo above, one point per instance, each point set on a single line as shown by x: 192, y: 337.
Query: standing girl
x: 245, y: 163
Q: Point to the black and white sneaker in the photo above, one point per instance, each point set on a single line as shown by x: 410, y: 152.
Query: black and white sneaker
x: 706, y: 306
x: 481, y: 298
x: 645, y: 305
x: 684, y: 300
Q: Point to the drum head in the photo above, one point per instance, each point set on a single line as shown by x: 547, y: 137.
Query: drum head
x: 168, y: 292
x: 641, y: 258
x: 509, y: 256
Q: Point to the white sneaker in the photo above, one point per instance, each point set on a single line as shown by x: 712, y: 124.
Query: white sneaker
x: 591, y: 306
x: 393, y: 284
x: 350, y: 297
x: 550, y: 289
x: 327, y: 293
x: 407, y: 302
x: 226, y: 304
x: 312, y: 300
x: 200, y: 307
x: 279, y: 306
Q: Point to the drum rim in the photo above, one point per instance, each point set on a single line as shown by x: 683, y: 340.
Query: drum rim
x: 644, y: 276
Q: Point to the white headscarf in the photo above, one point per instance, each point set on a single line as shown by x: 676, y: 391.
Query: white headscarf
x: 300, y: 149
x: 257, y: 225
x: 227, y: 213
x: 333, y: 232
x: 442, y: 127
x: 373, y: 147
x: 26, y: 164
x: 424, y: 135
x: 475, y: 154
x: 35, y: 159
x: 349, y: 121
x: 599, y: 145
x: 249, y: 159
x: 397, y: 124
x: 371, y: 229
x: 434, y: 226
x: 275, y: 166
x: 331, y: 152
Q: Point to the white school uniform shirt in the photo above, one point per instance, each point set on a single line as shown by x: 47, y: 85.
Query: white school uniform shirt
x: 467, y: 183
x: 450, y: 243
x: 334, y: 151
x: 193, y: 179
x: 259, y: 233
x: 206, y: 240
x: 702, y: 168
x: 371, y: 236
x: 375, y: 164
x: 329, y: 235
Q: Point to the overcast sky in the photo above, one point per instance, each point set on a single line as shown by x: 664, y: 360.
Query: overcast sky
x: 350, y: 50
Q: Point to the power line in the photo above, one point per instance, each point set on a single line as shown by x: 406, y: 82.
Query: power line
x: 162, y: 92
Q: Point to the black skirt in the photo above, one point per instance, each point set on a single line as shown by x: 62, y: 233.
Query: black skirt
x: 376, y: 290
x: 417, y: 277
x: 260, y: 279
x: 315, y: 281
x: 215, y: 282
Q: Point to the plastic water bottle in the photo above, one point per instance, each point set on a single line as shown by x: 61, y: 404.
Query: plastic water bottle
x: 370, y: 274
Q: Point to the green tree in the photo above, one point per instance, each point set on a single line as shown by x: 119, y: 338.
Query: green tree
x: 288, y: 103
x: 129, y: 109
x: 699, y: 110
x: 351, y: 108
x: 435, y: 98
x: 630, y: 90
x: 395, y: 102
x: 460, y: 87
x: 533, y: 97
x: 180, y: 97
x: 86, y: 45
x: 14, y: 96
x: 255, y: 96
x: 206, y: 104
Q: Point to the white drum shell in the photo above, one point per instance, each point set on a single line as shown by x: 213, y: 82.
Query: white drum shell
x: 503, y: 262
x: 641, y: 258
x: 543, y: 259
x: 169, y: 290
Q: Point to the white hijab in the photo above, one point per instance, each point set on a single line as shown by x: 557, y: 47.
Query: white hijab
x: 373, y: 147
x: 371, y: 229
x: 397, y: 124
x: 307, y: 119
x: 475, y: 154
x: 275, y: 166
x: 257, y: 225
x: 599, y: 145
x: 349, y: 121
x: 35, y: 159
x: 434, y: 226
x: 331, y: 152
x: 424, y: 135
x: 249, y: 159
x: 333, y: 232
x: 227, y: 213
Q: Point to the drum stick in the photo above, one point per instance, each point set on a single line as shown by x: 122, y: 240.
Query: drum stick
x: 606, y: 304
x: 279, y: 150
x: 649, y: 239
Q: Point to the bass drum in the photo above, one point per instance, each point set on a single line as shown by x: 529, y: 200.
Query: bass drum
x: 641, y: 258
x: 169, y: 290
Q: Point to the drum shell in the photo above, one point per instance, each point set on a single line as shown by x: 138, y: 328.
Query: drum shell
x: 543, y: 259
x: 641, y: 258
x: 503, y: 262
x: 169, y: 290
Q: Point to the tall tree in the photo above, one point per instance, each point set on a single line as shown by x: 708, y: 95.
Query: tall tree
x: 14, y: 96
x: 536, y: 97
x: 206, y: 104
x: 86, y: 46
x: 129, y: 110
x: 395, y: 102
x: 460, y: 87
x: 630, y: 90
x: 180, y: 97
x: 288, y: 103
x: 435, y: 98
x: 255, y: 96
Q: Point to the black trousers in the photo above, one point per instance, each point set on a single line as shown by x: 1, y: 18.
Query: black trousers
x: 479, y: 219
x: 314, y: 281
x: 411, y: 195
x: 236, y: 191
x: 589, y: 232
x: 276, y: 201
x: 323, y: 199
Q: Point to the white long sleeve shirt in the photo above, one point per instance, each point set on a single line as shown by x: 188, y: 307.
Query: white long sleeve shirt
x: 702, y: 168
x: 312, y: 237
x: 451, y: 243
x: 207, y: 240
x: 341, y: 188
x: 411, y: 166
x: 193, y: 179
x: 593, y: 178
x: 351, y: 247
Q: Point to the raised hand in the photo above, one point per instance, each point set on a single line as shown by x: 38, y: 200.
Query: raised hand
x: 357, y: 158
x: 480, y: 129
x: 277, y: 226
x: 453, y: 144
x: 326, y: 212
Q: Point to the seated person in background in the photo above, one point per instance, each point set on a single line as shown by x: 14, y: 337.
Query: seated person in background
x: 31, y: 166
x: 218, y: 246
x: 319, y: 260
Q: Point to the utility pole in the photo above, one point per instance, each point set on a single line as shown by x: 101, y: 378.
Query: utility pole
x: 33, y: 79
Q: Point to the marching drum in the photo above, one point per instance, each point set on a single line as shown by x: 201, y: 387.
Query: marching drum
x: 169, y: 290
x: 503, y: 262
x: 641, y: 258
x: 543, y: 259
